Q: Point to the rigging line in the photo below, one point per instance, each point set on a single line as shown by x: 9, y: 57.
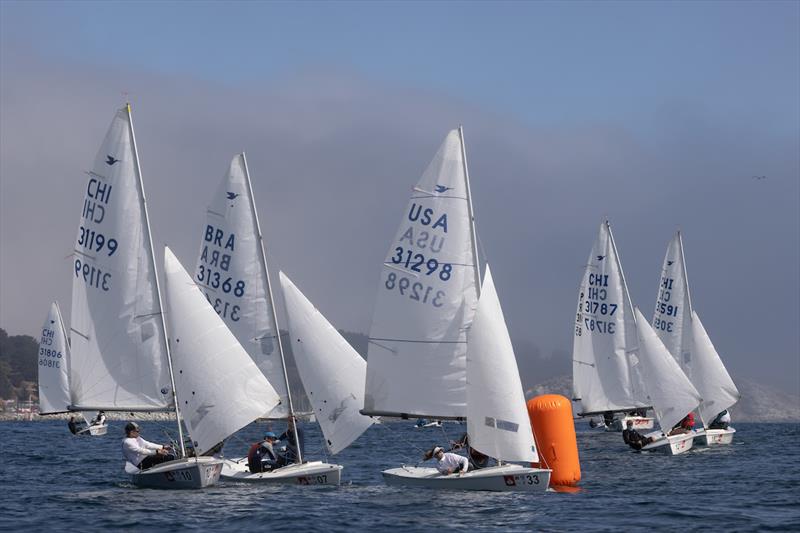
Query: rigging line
x: 371, y: 339
x: 406, y: 440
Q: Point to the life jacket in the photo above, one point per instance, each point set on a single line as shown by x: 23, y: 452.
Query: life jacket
x: 254, y: 457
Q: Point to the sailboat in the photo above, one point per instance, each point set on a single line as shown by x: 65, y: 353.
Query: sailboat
x: 120, y: 360
x: 679, y: 328
x: 669, y: 391
x: 232, y: 272
x: 605, y: 379
x: 421, y: 363
x: 53, y: 364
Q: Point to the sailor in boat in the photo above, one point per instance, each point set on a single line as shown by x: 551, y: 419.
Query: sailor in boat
x: 99, y: 420
x: 73, y: 426
x: 721, y: 421
x: 141, y: 453
x: 292, y: 442
x: 684, y: 426
x: 262, y: 456
x: 476, y: 459
x: 633, y: 438
x: 449, y: 463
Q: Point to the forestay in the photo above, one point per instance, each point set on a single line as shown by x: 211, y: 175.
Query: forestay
x: 220, y: 389
x: 426, y: 299
x: 605, y: 375
x: 497, y: 420
x: 54, y: 394
x: 709, y: 375
x: 669, y: 391
x: 333, y: 373
x: 118, y: 351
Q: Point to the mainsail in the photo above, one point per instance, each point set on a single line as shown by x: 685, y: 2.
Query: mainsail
x: 426, y: 299
x: 333, y: 373
x: 54, y: 395
x: 497, y: 420
x: 220, y: 388
x: 231, y: 273
x: 118, y: 350
x: 681, y: 331
x: 605, y: 376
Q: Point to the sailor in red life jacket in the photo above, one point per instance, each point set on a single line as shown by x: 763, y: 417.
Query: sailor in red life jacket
x: 142, y: 453
x: 450, y: 463
x: 684, y: 426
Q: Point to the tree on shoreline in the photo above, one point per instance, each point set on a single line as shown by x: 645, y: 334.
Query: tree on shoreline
x: 17, y: 364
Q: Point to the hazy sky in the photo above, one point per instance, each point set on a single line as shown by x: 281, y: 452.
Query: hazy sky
x: 657, y: 115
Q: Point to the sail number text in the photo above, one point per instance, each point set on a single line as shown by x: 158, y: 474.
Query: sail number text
x: 417, y: 263
x: 414, y: 290
x: 664, y: 308
x: 92, y: 276
x: 214, y: 280
x: 49, y: 357
x: 95, y: 241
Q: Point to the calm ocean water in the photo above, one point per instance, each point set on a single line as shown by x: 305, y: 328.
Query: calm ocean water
x: 52, y: 480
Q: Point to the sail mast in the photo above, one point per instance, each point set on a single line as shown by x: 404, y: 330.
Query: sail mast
x: 263, y: 257
x: 685, y: 274
x: 472, y: 233
x: 155, y: 276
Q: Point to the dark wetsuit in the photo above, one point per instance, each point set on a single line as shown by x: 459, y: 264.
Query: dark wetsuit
x: 634, y: 439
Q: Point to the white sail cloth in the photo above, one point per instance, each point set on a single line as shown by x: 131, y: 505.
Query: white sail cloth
x: 333, y: 373
x: 709, y: 375
x: 497, y: 419
x: 681, y: 331
x: 426, y: 299
x: 230, y: 273
x: 605, y: 375
x: 669, y: 391
x: 118, y: 351
x: 54, y: 394
x: 673, y: 313
x: 220, y: 389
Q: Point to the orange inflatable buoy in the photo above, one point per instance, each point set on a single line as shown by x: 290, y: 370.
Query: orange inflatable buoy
x: 554, y: 432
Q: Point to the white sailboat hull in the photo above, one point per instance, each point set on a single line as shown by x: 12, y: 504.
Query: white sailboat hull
x: 714, y: 437
x: 505, y: 478
x: 310, y: 473
x: 96, y: 430
x: 639, y: 422
x: 189, y: 473
x: 672, y: 445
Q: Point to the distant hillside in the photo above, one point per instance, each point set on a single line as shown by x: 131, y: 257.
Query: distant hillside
x: 759, y: 403
x: 17, y: 365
